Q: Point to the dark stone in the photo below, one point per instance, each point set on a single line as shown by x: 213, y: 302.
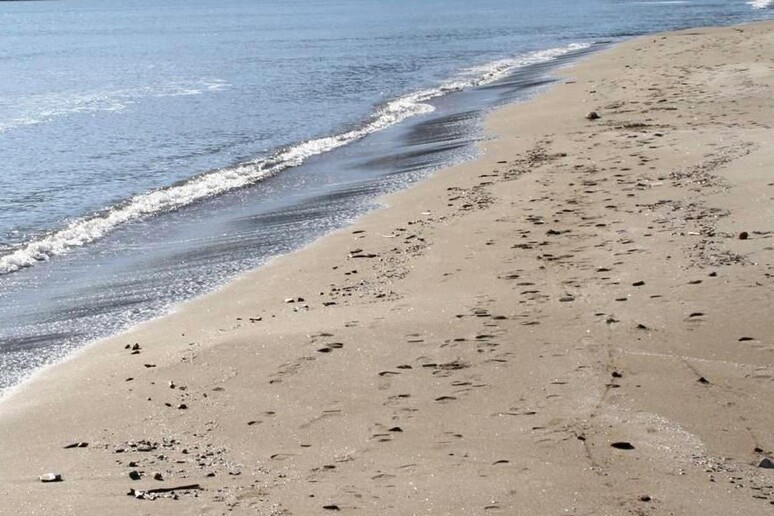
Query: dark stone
x: 134, y: 475
x: 766, y: 463
x: 622, y: 445
x: 592, y: 115
x: 744, y: 235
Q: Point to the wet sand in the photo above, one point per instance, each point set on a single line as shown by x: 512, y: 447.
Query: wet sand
x: 579, y: 322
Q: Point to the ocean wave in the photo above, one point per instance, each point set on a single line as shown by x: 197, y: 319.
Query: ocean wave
x: 762, y: 4
x: 83, y: 231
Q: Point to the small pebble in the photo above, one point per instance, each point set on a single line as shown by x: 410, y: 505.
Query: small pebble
x: 50, y: 477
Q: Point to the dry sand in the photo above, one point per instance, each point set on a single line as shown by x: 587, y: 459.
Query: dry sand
x: 487, y: 336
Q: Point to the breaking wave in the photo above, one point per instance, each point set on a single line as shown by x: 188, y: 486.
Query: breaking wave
x: 85, y: 230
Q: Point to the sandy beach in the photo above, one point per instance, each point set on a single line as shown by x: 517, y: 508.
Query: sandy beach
x: 579, y: 322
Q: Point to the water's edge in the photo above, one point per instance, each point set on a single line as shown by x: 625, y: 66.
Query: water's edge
x: 528, y: 91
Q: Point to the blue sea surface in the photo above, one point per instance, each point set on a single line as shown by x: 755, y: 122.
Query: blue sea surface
x: 150, y: 151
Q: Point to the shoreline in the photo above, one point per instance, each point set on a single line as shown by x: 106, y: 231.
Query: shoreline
x: 480, y: 351
x: 255, y: 224
x: 538, y: 76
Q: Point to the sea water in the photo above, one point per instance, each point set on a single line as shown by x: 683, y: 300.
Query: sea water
x: 150, y: 151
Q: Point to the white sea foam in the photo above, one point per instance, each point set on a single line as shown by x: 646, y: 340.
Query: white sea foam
x: 85, y: 230
x: 762, y: 4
